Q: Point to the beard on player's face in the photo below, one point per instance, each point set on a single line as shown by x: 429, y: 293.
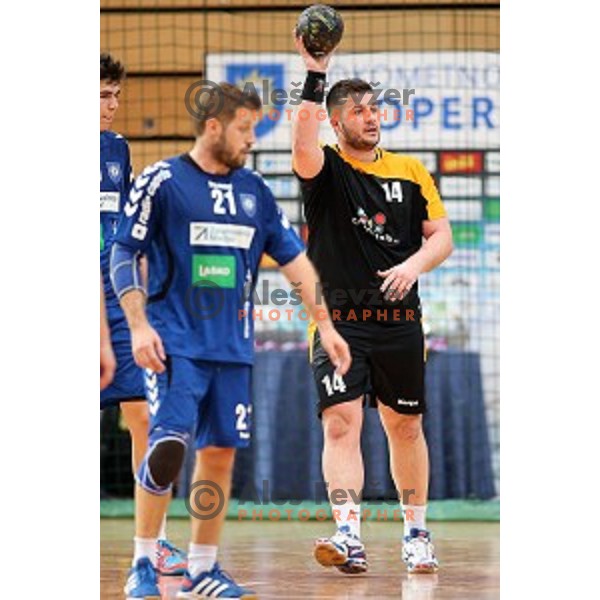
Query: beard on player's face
x: 226, y: 153
x: 360, y: 140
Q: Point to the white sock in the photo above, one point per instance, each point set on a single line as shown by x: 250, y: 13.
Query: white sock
x: 201, y: 557
x: 414, y: 517
x: 162, y: 534
x: 347, y: 514
x: 144, y: 547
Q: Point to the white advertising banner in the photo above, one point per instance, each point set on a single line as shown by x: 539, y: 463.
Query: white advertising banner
x: 455, y: 103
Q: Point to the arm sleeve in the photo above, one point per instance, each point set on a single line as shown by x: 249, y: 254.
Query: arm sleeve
x: 282, y: 243
x: 125, y: 270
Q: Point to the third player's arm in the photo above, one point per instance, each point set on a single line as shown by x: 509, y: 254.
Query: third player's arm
x: 301, y: 273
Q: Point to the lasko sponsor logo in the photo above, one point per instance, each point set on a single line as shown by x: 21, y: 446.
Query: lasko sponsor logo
x: 461, y: 162
x: 221, y: 234
x: 109, y: 201
x: 217, y: 268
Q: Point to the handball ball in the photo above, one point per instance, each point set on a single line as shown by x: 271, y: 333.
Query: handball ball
x: 321, y: 28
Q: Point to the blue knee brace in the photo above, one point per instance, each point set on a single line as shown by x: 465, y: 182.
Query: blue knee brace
x: 162, y: 462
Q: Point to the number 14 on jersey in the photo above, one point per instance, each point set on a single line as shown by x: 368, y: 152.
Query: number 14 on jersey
x: 393, y: 191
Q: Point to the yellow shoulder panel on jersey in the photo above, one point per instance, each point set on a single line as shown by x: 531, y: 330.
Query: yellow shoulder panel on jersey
x: 389, y: 165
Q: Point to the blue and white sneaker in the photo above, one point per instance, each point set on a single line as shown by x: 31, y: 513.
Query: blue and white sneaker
x: 418, y: 552
x: 343, y: 550
x: 213, y: 584
x: 142, y: 580
x: 170, y: 560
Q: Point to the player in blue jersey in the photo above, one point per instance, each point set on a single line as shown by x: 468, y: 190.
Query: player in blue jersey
x: 204, y: 222
x: 127, y: 386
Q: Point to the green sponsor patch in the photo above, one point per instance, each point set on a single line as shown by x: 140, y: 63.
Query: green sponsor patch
x: 467, y: 234
x: 219, y: 269
x: 491, y: 209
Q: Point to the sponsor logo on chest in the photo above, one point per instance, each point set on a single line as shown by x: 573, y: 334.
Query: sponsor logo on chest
x: 221, y: 234
x: 217, y: 269
x: 109, y: 201
x: 374, y: 226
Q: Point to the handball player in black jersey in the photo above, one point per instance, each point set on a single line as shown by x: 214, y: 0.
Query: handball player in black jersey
x: 376, y: 223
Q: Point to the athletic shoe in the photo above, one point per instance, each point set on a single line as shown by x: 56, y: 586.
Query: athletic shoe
x: 213, y: 584
x: 171, y: 560
x: 142, y: 580
x: 343, y: 550
x: 417, y: 552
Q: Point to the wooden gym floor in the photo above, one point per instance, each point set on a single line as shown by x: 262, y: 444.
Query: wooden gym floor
x: 275, y: 559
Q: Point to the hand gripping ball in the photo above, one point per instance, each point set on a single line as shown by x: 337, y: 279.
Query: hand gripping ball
x: 321, y: 28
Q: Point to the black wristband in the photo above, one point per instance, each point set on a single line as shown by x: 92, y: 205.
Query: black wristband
x: 314, y: 87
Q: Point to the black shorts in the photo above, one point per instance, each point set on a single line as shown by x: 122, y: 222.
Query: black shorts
x: 388, y: 363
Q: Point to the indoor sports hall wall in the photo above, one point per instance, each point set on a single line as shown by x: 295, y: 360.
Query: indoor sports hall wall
x: 449, y: 53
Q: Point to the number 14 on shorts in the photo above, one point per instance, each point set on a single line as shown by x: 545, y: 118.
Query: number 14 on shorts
x: 335, y: 385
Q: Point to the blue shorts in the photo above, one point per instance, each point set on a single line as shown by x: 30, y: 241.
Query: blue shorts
x: 128, y: 383
x: 209, y: 400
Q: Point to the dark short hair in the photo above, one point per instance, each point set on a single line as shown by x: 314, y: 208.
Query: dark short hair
x: 110, y: 68
x: 222, y: 102
x: 340, y: 91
